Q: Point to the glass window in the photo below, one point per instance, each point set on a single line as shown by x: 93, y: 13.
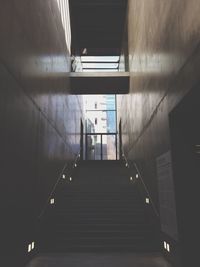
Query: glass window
x: 100, y: 59
x: 100, y: 65
x: 100, y: 70
x: 101, y: 121
x: 100, y: 111
x: 102, y: 102
x: 93, y: 147
x: 101, y: 131
x: 109, y: 147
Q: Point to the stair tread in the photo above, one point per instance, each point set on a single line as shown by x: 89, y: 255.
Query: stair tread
x: 98, y: 211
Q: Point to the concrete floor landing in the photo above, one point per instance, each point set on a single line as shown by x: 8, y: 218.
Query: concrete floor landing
x: 99, y: 260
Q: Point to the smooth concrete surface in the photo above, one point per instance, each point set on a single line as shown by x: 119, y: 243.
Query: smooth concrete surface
x: 39, y: 120
x: 100, y: 260
x: 99, y: 82
x: 164, y: 53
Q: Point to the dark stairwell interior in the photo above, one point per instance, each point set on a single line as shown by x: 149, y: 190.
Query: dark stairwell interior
x: 99, y: 210
x: 59, y: 209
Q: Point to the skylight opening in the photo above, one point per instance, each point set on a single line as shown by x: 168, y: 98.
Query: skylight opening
x: 100, y: 70
x: 95, y: 64
x: 100, y: 65
x: 107, y: 59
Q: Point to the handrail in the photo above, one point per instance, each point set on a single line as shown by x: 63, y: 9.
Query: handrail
x: 56, y: 184
x: 76, y: 64
x: 145, y: 187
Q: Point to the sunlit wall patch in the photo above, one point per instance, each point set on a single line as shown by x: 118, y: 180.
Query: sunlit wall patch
x: 63, y: 6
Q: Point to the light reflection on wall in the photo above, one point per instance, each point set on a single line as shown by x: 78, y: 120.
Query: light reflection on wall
x: 63, y: 6
x: 45, y: 66
x: 154, y: 63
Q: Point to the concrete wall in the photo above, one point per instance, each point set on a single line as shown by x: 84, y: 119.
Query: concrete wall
x: 164, y: 50
x: 39, y: 120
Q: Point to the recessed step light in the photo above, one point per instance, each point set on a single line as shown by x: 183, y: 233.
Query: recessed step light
x: 52, y: 201
x: 166, y: 246
x: 29, y: 248
x: 33, y: 245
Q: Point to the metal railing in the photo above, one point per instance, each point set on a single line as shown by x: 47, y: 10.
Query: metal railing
x: 60, y: 177
x: 99, y: 148
x: 143, y: 183
x: 76, y: 64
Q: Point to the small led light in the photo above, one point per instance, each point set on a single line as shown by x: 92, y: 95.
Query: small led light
x: 33, y: 245
x: 168, y: 248
x: 84, y: 52
x: 136, y: 176
x: 126, y: 164
x: 165, y: 244
x: 63, y: 176
x: 70, y: 178
x: 147, y: 200
x: 52, y: 201
x: 29, y: 248
x: 131, y: 178
x: 75, y: 165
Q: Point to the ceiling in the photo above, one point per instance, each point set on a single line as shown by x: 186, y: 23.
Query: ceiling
x: 97, y: 26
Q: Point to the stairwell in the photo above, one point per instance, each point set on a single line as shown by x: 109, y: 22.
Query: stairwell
x: 99, y: 210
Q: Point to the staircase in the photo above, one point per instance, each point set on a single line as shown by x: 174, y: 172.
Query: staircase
x: 99, y: 210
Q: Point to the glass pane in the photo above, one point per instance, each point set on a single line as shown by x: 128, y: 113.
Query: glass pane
x: 109, y: 147
x: 100, y: 70
x: 101, y: 121
x: 111, y: 121
x: 99, y: 102
x: 100, y: 59
x: 96, y: 122
x: 100, y: 65
x: 110, y: 102
x: 93, y: 147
